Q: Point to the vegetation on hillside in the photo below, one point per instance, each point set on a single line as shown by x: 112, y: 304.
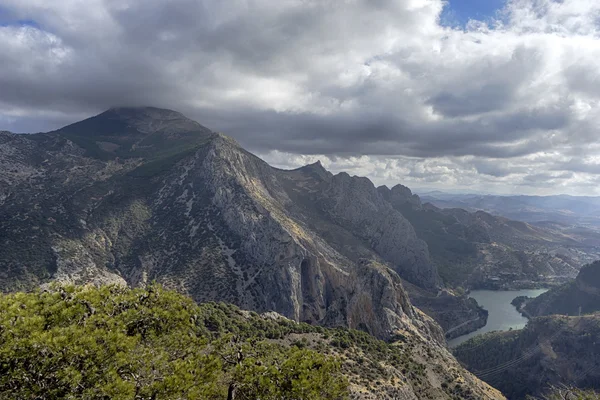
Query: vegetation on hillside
x: 117, y: 343
x: 581, y: 296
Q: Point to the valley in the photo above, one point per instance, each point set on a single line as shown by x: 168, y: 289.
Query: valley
x: 137, y: 196
x: 550, y: 351
x: 300, y: 200
x: 557, y: 346
x: 502, y: 315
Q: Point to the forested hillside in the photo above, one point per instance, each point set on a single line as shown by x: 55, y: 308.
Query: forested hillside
x: 118, y: 343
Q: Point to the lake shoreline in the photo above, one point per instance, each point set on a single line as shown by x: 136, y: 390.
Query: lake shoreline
x: 502, y: 314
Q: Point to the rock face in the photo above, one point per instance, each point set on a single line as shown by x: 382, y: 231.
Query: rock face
x: 580, y: 296
x: 549, y: 352
x: 457, y: 315
x: 136, y: 195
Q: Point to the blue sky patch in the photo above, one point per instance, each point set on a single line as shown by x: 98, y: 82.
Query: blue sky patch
x: 457, y: 13
x: 7, y: 18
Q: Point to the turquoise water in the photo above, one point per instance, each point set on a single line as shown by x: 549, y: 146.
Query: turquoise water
x: 502, y: 315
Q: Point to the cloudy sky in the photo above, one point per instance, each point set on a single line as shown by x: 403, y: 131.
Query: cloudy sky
x: 479, y: 95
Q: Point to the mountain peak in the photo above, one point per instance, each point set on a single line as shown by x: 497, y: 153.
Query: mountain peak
x: 146, y: 132
x: 316, y: 169
x: 141, y: 109
x: 151, y: 119
x: 142, y: 113
x: 316, y: 165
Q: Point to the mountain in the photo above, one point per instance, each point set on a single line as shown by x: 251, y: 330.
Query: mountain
x: 475, y: 249
x: 581, y: 296
x: 568, y: 211
x: 550, y: 352
x: 146, y: 132
x: 135, y: 195
x: 140, y: 194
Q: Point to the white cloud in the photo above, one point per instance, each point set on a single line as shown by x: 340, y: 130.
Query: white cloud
x: 379, y: 88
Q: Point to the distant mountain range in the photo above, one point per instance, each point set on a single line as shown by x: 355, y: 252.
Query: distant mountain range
x: 476, y: 249
x: 559, y: 212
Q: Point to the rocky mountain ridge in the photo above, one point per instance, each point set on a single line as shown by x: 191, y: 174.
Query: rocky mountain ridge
x: 136, y: 195
x: 140, y: 194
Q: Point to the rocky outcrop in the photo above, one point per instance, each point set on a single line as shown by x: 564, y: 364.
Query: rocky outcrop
x: 355, y: 204
x: 400, y: 196
x: 588, y: 279
x: 456, y: 314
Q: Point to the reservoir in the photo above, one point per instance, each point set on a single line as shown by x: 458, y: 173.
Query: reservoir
x: 501, y: 314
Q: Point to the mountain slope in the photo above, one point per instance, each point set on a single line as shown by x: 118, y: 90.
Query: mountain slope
x: 549, y: 352
x: 477, y: 249
x: 152, y: 343
x: 582, y: 296
x: 135, y: 132
x: 211, y: 220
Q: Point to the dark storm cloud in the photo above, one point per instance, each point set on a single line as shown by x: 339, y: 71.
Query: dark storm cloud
x: 381, y: 79
x: 484, y: 99
x: 363, y: 133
